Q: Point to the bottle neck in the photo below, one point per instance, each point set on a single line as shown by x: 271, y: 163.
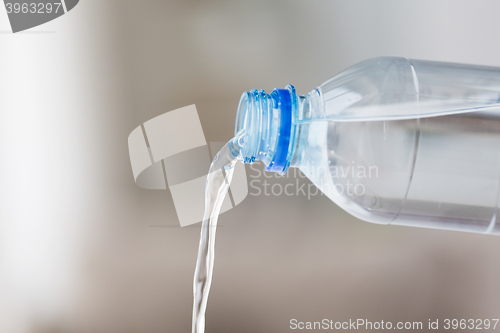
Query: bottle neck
x: 266, y: 127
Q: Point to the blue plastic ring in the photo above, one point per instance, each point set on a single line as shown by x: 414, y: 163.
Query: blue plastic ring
x: 285, y: 106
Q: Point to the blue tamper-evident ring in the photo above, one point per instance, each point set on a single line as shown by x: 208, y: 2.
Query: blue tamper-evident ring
x: 285, y: 106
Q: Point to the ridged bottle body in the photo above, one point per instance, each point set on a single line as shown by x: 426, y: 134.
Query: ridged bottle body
x: 406, y: 142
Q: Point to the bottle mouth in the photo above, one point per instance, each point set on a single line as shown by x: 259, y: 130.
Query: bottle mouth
x: 266, y: 125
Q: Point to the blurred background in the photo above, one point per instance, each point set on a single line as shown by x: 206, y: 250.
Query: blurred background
x: 83, y: 249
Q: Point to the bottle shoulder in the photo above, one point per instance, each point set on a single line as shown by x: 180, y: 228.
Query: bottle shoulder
x: 394, y: 88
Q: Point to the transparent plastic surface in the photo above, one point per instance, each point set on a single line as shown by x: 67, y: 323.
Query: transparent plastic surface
x: 406, y: 142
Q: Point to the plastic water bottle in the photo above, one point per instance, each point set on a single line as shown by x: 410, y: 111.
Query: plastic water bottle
x: 390, y: 140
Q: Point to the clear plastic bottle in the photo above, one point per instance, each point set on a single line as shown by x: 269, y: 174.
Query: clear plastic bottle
x: 390, y: 140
